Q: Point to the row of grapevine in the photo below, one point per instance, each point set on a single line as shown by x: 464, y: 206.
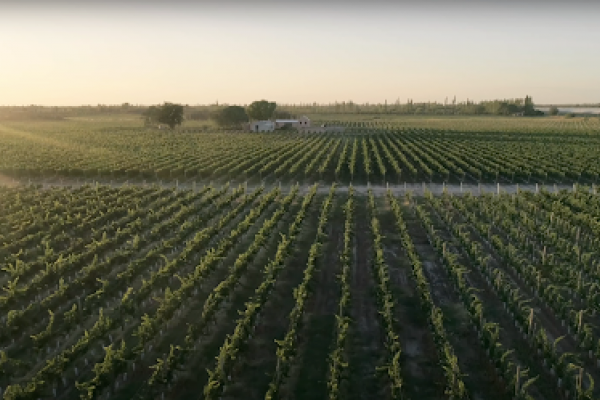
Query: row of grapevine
x: 562, y: 364
x: 514, y: 375
x: 219, y: 375
x: 286, y: 348
x: 338, y: 358
x: 386, y: 302
x: 219, y: 297
x: 455, y: 387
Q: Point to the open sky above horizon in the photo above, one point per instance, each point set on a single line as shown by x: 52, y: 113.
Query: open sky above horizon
x: 74, y: 53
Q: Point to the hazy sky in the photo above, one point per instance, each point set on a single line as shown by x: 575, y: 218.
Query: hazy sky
x: 82, y: 52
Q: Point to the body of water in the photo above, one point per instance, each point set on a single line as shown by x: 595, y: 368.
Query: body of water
x: 576, y: 110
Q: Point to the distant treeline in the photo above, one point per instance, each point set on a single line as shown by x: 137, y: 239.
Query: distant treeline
x: 36, y: 112
x: 523, y: 106
x: 494, y: 107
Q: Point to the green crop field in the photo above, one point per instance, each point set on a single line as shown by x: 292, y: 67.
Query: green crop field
x: 236, y: 287
x: 458, y: 149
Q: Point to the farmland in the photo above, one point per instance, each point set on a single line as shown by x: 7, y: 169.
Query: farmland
x: 297, y: 294
x: 190, y: 273
x: 434, y: 150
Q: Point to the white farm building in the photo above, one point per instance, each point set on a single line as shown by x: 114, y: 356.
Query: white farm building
x: 262, y: 126
x: 269, y: 126
x: 302, y: 122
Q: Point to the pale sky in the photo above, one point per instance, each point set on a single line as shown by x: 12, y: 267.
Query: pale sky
x: 297, y: 51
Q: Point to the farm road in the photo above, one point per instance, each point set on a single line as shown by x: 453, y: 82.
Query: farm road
x: 417, y: 189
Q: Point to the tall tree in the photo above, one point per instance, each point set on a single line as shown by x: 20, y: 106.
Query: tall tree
x: 261, y: 110
x: 168, y: 113
x: 528, y: 106
x: 231, y: 116
x: 171, y: 114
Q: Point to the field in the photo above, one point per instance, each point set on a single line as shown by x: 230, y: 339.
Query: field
x: 439, y: 150
x: 166, y: 282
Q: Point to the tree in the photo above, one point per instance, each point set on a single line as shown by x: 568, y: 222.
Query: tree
x: 261, y: 110
x: 151, y: 115
x: 528, y: 108
x: 231, y: 116
x: 169, y: 114
x: 553, y: 110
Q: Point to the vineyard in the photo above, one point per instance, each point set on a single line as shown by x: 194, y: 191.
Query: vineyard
x: 226, y: 265
x: 238, y: 292
x: 466, y: 150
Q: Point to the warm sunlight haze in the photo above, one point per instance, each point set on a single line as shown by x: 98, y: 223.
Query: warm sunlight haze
x: 70, y: 54
x: 299, y: 200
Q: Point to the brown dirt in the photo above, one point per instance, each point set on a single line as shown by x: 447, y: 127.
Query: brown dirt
x: 365, y: 338
x: 480, y: 376
x: 510, y: 337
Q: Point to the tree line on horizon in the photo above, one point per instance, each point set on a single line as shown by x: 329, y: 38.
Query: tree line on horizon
x: 468, y: 107
x: 232, y: 115
x: 222, y: 112
x: 228, y: 116
x: 524, y: 106
x: 261, y: 110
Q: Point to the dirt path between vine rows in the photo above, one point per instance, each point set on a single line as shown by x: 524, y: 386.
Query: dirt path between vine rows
x: 417, y: 189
